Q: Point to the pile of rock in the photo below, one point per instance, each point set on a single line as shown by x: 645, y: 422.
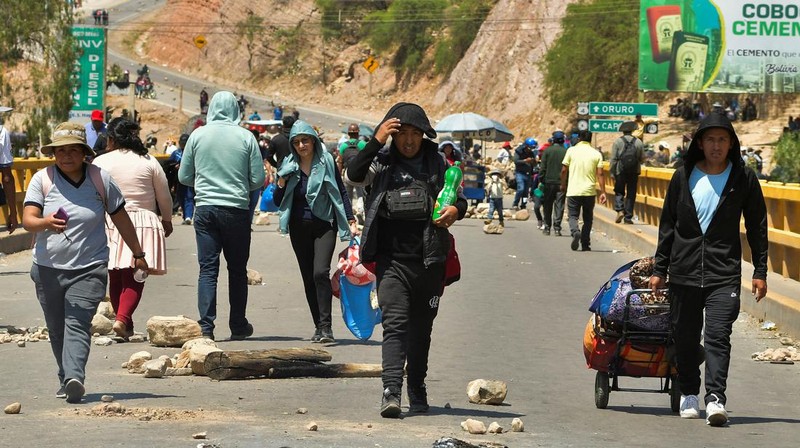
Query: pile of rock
x: 781, y: 354
x: 190, y: 361
x: 22, y: 335
x: 481, y: 211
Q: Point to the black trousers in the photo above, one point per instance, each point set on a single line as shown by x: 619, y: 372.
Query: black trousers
x: 625, y: 193
x: 408, y: 294
x: 313, y: 243
x: 581, y: 206
x: 553, y: 202
x: 721, y: 304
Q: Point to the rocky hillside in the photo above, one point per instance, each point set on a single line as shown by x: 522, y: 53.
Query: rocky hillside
x: 498, y: 77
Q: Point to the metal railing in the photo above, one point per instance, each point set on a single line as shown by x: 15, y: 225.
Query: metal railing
x: 783, y: 216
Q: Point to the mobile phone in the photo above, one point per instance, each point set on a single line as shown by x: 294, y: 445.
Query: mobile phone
x: 62, y: 214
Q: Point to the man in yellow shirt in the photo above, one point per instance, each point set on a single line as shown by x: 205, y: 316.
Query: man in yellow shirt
x: 582, y: 168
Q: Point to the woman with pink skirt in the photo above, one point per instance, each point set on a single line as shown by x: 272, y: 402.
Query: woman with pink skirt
x: 144, y: 185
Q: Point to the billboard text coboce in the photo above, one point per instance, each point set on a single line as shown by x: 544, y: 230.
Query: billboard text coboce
x: 719, y: 46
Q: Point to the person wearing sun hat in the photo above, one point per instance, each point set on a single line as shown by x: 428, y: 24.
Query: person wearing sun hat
x: 65, y: 207
x: 409, y: 248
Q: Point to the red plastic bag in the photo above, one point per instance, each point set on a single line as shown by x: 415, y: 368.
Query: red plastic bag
x: 350, y: 265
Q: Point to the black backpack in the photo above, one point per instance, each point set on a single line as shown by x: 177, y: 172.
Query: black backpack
x: 628, y: 158
x: 349, y: 153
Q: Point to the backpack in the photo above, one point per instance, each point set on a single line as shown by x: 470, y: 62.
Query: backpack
x: 350, y: 152
x: 627, y: 158
x: 93, y: 172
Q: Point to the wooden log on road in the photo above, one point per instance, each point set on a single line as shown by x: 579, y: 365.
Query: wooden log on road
x: 232, y: 364
x: 282, y: 363
x: 350, y: 370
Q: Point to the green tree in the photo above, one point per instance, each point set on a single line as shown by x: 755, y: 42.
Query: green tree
x: 463, y: 20
x: 595, y: 58
x: 343, y: 19
x: 406, y: 28
x: 787, y: 158
x: 39, y: 31
x: 250, y: 31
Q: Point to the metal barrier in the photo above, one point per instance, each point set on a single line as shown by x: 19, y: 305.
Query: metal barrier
x: 783, y: 216
x: 24, y: 169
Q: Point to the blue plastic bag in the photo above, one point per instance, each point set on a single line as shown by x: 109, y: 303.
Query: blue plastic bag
x: 267, y: 205
x: 357, y: 312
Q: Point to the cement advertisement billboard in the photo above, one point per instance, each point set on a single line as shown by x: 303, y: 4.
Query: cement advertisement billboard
x: 89, y: 72
x: 719, y: 46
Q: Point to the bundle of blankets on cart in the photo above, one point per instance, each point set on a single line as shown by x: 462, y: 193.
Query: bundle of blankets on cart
x: 648, y: 310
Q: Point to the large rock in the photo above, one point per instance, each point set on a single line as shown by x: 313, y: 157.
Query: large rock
x: 172, y: 331
x: 197, y: 358
x: 522, y: 215
x: 105, y: 309
x: 101, y: 324
x: 199, y: 341
x: 487, y: 391
x: 517, y: 425
x: 254, y: 277
x: 262, y: 220
x: 493, y: 229
x: 155, y: 368
x: 473, y: 426
x: 136, y: 362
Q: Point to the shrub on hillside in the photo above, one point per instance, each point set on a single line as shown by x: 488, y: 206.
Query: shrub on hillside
x: 595, y: 58
x: 786, y: 159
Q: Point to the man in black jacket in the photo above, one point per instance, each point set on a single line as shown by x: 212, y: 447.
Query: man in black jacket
x: 409, y: 248
x: 279, y: 145
x: 700, y: 249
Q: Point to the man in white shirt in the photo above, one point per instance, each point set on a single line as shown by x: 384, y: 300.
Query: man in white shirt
x: 503, y: 154
x: 6, y: 161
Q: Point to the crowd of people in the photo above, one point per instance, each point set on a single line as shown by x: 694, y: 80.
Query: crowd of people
x: 84, y: 246
x: 730, y: 107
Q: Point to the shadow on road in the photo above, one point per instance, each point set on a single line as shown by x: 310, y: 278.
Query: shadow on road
x: 118, y: 396
x: 473, y: 413
x: 8, y: 273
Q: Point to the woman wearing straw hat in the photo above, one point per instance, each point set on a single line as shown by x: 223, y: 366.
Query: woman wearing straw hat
x: 145, y: 187
x: 65, y: 205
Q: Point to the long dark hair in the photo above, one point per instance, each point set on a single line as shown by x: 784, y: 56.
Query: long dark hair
x: 125, y: 134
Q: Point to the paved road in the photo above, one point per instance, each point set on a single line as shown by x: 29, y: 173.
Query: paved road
x: 517, y: 315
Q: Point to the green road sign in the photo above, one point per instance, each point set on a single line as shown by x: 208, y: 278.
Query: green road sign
x: 89, y: 73
x: 605, y: 125
x: 624, y: 109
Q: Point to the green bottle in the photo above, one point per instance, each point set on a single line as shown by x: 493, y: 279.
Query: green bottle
x: 449, y: 194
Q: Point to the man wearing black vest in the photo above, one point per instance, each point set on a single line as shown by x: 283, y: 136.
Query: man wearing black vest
x: 627, y: 154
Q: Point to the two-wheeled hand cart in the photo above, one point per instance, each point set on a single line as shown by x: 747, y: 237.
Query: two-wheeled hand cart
x: 626, y: 349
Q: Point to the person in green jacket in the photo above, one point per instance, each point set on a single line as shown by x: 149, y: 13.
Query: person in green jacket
x: 550, y: 174
x: 222, y: 162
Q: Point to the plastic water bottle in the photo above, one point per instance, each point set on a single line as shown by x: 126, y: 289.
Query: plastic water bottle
x: 449, y: 194
x: 140, y: 275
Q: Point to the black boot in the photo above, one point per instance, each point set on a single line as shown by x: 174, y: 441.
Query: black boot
x: 390, y: 404
x: 326, y: 335
x: 418, y: 398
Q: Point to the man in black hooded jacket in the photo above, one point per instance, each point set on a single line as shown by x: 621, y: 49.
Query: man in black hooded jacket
x: 700, y: 249
x: 409, y: 248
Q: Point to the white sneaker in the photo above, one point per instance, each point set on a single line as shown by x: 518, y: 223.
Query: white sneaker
x: 690, y: 406
x: 716, y: 415
x: 187, y: 221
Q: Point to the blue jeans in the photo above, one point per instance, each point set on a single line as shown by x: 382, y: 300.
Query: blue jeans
x: 227, y: 230
x: 523, y: 189
x: 496, y: 204
x: 186, y: 200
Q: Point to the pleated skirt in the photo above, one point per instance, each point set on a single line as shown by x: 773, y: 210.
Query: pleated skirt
x: 150, y: 232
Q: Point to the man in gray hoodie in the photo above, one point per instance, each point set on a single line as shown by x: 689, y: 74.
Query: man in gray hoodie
x: 222, y: 162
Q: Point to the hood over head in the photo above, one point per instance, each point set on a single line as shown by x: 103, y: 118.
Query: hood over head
x: 713, y: 120
x: 300, y: 127
x: 223, y: 107
x: 413, y: 115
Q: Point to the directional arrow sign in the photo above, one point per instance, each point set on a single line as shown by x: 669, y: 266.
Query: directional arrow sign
x: 605, y: 125
x: 624, y: 109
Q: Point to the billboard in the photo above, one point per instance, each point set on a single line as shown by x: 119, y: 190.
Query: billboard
x: 89, y: 72
x: 719, y: 46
